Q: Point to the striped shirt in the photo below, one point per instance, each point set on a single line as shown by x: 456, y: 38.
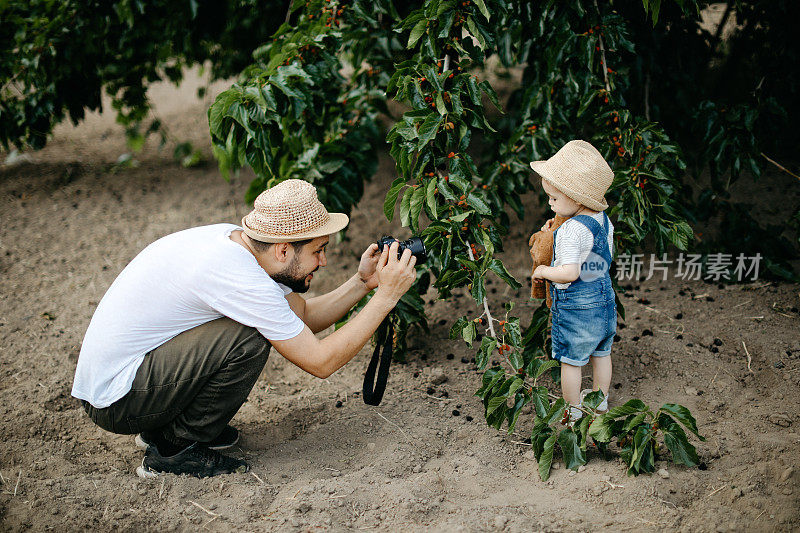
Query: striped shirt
x: 574, y: 242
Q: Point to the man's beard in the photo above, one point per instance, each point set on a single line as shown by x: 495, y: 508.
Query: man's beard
x: 292, y: 278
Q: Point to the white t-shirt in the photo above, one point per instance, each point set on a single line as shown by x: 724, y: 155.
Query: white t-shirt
x: 574, y: 243
x: 179, y: 282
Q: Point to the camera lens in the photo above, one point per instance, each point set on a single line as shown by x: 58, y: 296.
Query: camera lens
x: 414, y: 244
x: 417, y: 248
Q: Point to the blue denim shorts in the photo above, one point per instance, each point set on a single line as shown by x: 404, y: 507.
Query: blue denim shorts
x: 584, y: 325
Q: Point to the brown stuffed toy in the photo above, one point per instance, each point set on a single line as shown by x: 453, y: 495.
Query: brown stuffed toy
x: 541, y: 244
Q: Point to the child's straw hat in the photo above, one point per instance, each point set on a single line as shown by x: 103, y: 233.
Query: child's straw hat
x: 579, y: 171
x: 290, y: 211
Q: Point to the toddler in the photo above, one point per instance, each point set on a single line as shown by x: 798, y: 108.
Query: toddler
x: 584, y: 311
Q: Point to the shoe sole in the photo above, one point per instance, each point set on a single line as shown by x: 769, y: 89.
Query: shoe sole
x: 141, y: 444
x: 145, y: 473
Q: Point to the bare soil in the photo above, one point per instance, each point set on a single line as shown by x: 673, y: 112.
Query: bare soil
x: 321, y: 459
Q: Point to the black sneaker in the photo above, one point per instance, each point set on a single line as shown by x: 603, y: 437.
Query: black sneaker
x: 227, y: 439
x: 195, y: 460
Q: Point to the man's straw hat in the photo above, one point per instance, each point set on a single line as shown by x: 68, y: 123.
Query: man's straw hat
x: 291, y: 211
x: 579, y: 171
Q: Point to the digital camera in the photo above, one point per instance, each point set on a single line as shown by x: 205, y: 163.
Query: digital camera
x: 414, y: 244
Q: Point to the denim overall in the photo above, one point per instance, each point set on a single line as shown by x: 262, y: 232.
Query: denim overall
x: 584, y: 315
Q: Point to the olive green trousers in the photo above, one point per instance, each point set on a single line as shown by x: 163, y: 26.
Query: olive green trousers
x: 189, y: 388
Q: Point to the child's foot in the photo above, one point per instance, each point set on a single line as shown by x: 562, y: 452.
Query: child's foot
x: 571, y: 415
x: 602, y: 408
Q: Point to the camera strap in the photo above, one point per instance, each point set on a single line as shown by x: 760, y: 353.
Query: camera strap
x: 374, y: 388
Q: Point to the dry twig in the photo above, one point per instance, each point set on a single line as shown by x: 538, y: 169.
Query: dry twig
x: 258, y: 478
x: 210, y: 513
x: 19, y: 476
x: 395, y: 425
x: 779, y: 166
x: 749, y: 359
x: 602, y: 51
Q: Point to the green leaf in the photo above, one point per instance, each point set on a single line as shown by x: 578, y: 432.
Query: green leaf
x: 417, y: 32
x: 642, y: 459
x: 546, y: 459
x: 469, y: 333
x: 405, y: 207
x: 600, y: 429
x: 482, y: 6
x: 630, y: 407
x: 677, y: 443
x: 417, y: 201
x: 488, y: 344
x: 499, y: 268
x: 593, y: 399
x: 544, y: 367
x: 633, y: 422
x: 494, y: 403
x: 391, y: 197
x: 540, y: 402
x: 573, y: 455
x: 473, y: 30
x: 457, y: 327
x: 479, y: 204
x: 428, y: 129
x: 431, y: 198
x: 555, y: 412
x: 461, y: 216
x: 682, y: 415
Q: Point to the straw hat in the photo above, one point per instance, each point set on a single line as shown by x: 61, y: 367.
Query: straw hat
x: 290, y: 211
x: 579, y: 171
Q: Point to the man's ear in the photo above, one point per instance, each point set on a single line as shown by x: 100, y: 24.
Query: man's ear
x: 282, y: 251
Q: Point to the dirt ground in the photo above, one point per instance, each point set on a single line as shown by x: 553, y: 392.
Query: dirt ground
x: 321, y: 459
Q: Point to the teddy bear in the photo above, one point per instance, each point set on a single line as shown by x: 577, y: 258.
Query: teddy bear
x: 541, y: 244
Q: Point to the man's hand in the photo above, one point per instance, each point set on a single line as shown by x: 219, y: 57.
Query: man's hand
x: 368, y: 265
x: 395, y: 275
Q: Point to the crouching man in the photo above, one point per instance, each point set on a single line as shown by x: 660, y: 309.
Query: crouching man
x: 181, y: 336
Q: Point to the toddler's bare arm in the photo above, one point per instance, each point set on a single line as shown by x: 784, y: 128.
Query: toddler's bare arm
x: 559, y: 274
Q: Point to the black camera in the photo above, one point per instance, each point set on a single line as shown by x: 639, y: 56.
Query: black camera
x: 414, y: 244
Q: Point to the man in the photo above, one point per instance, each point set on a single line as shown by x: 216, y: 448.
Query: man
x: 179, y: 339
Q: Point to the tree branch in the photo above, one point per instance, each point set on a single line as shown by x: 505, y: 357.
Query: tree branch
x: 602, y: 50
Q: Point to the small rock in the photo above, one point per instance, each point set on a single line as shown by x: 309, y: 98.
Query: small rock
x: 605, y: 478
x: 786, y: 474
x: 417, y: 469
x: 581, y: 468
x: 571, y: 473
x: 370, y: 446
x: 691, y: 391
x: 529, y: 455
x: 335, y: 473
x: 500, y: 521
x: 780, y: 419
x: 556, y: 466
x: 438, y: 376
x: 303, y: 508
x: 663, y: 474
